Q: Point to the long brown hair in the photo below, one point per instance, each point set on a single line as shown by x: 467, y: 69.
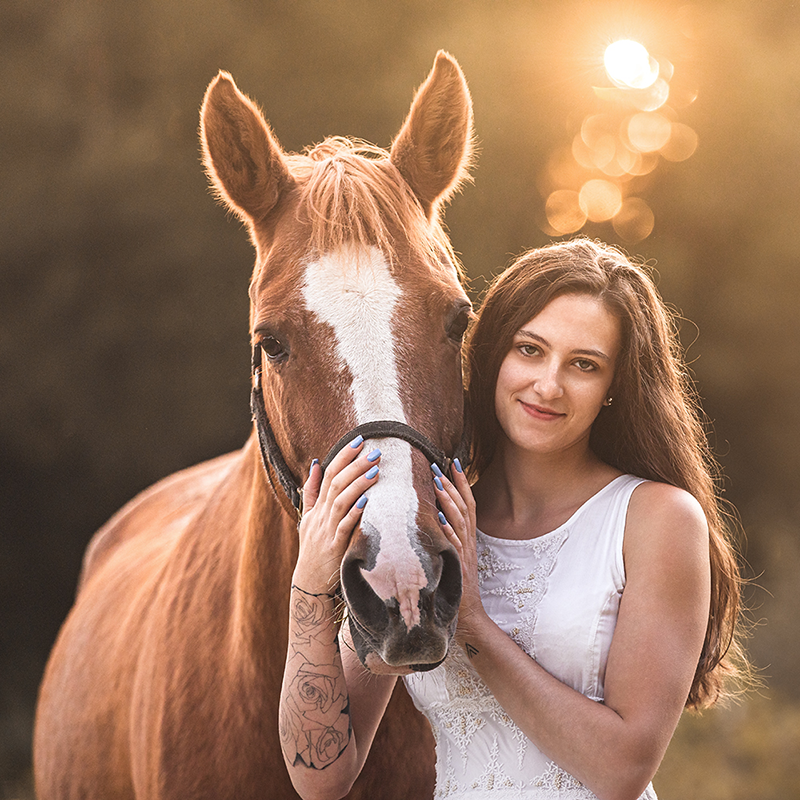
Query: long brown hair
x: 654, y: 427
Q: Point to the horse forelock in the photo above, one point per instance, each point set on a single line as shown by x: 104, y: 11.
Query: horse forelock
x: 352, y: 194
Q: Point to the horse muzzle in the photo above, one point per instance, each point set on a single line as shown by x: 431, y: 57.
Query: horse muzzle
x: 410, y: 630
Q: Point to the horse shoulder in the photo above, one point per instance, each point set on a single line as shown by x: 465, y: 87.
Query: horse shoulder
x: 158, y: 512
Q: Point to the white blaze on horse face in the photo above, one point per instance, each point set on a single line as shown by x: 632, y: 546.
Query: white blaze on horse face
x: 353, y: 291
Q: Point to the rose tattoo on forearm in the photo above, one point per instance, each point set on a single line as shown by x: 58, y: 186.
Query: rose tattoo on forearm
x: 315, y: 713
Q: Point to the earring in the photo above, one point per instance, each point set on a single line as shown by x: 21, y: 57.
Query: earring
x: 608, y: 401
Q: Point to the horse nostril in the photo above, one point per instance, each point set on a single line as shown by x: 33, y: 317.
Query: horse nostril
x: 369, y: 608
x: 448, y: 592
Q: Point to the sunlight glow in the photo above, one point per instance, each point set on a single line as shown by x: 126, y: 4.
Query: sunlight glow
x: 629, y: 65
x: 599, y: 174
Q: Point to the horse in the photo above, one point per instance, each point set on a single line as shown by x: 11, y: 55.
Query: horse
x: 164, y: 680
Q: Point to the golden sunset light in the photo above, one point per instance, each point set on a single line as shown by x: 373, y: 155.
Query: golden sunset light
x: 629, y: 65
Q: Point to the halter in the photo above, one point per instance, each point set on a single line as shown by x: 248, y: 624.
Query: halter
x: 272, y: 456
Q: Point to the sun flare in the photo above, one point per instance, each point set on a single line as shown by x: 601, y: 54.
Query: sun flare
x: 629, y: 65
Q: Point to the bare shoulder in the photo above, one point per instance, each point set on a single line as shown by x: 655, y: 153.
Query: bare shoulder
x: 665, y: 521
x: 654, y: 502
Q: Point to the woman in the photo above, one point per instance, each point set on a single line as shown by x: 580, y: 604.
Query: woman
x: 600, y: 588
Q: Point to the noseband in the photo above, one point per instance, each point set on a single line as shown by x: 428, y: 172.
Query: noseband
x: 377, y: 429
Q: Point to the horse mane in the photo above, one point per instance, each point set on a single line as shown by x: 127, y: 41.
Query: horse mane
x: 351, y: 193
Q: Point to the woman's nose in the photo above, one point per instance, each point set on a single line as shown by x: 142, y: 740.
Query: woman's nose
x: 548, y: 382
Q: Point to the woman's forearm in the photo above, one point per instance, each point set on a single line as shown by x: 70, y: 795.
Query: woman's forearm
x: 586, y: 738
x: 325, y: 739
x: 315, y: 729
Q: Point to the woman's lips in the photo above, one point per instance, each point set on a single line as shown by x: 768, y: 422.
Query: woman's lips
x: 541, y: 412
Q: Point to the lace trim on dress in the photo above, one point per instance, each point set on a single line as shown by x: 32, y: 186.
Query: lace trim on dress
x: 447, y: 785
x: 526, y: 594
x: 494, y: 777
x: 554, y: 781
x: 553, y: 784
x: 470, y: 701
x: 489, y: 564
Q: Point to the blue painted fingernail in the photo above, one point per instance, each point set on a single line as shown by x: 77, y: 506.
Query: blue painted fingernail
x: 313, y: 464
x: 436, y: 471
x: 457, y: 465
x: 442, y: 519
x: 438, y: 484
x: 372, y: 473
x: 357, y: 441
x: 362, y: 501
x: 374, y: 455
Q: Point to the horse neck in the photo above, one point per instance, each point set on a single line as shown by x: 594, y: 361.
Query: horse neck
x: 266, y: 561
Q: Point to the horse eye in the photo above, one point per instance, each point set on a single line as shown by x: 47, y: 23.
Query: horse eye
x: 273, y: 348
x: 458, y: 326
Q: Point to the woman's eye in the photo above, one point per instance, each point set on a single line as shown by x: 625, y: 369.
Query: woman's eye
x: 585, y: 366
x: 273, y: 348
x: 528, y: 349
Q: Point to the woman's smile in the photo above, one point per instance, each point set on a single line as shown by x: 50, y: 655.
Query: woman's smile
x: 540, y: 412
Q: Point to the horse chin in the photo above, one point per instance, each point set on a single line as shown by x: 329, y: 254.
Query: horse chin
x: 376, y: 665
x: 426, y: 667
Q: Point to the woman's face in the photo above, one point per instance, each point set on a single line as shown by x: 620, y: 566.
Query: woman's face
x: 554, y: 379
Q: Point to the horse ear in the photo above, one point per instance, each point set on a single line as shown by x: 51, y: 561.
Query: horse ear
x: 434, y: 147
x: 244, y: 161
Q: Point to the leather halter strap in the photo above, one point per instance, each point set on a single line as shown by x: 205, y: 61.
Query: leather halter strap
x: 272, y: 456
x: 391, y: 429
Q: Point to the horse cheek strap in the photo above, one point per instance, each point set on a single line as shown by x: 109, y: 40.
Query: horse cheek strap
x: 271, y: 454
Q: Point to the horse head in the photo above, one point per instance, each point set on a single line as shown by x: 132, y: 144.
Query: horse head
x: 357, y: 315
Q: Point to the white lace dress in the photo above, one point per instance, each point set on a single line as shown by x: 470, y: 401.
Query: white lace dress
x: 557, y: 596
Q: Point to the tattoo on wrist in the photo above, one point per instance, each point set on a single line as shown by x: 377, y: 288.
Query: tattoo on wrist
x: 471, y: 651
x: 312, y: 594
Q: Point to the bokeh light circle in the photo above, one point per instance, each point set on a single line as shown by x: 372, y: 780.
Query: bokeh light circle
x: 682, y: 143
x: 634, y: 221
x: 653, y: 97
x: 648, y: 131
x: 564, y: 212
x: 600, y: 200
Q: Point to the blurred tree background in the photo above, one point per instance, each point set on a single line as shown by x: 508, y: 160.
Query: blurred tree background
x: 123, y: 293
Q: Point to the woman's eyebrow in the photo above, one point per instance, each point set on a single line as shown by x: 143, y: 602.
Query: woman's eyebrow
x: 596, y: 353
x: 531, y: 335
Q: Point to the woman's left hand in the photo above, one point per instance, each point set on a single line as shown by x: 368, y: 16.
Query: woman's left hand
x: 458, y: 520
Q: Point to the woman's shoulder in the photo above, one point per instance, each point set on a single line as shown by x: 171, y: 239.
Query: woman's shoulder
x: 654, y: 497
x: 661, y: 518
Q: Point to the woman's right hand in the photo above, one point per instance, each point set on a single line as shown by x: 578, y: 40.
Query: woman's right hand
x: 332, y: 506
